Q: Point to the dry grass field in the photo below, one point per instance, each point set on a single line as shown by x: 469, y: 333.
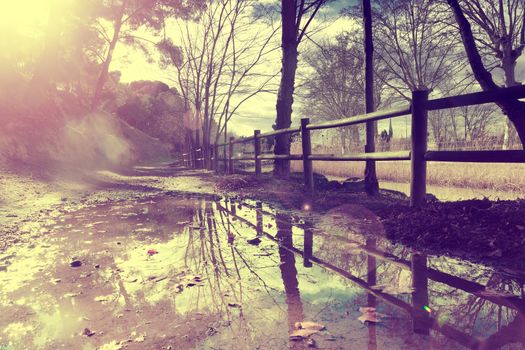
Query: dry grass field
x: 501, y: 177
x: 497, y: 177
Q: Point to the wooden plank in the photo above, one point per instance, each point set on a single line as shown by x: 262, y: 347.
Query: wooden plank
x: 516, y: 156
x: 242, y: 158
x: 291, y: 130
x: 476, y: 98
x: 396, y: 155
x: 280, y: 156
x: 358, y: 119
x: 243, y: 140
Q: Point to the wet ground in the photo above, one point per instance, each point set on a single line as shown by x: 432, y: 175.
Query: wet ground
x: 198, y: 272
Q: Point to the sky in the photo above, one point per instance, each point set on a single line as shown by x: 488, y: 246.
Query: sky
x: 259, y: 112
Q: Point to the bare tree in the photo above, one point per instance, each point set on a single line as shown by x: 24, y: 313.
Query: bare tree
x: 498, y: 33
x: 464, y: 127
x: 333, y: 87
x: 217, y: 65
x: 418, y: 45
x: 296, y: 17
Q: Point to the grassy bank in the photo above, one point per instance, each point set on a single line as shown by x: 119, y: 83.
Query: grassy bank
x: 497, y: 177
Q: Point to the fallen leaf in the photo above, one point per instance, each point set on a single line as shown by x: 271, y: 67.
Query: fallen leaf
x: 111, y: 346
x: 367, y: 309
x: 369, y: 317
x: 369, y: 314
x: 300, y: 334
x: 71, y: 295
x: 311, y: 343
x: 88, y: 332
x: 140, y: 339
x: 211, y: 331
x: 102, y: 298
x: 309, y: 325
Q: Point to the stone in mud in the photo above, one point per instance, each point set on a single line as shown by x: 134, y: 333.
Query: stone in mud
x: 75, y: 263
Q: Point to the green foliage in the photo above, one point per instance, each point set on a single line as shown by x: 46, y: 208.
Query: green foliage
x: 155, y: 109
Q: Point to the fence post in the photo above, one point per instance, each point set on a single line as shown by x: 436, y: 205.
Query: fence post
x: 307, y: 245
x: 210, y: 157
x: 420, y: 317
x: 216, y: 158
x: 257, y: 151
x: 307, y: 151
x: 230, y: 156
x: 418, y: 183
x: 225, y: 159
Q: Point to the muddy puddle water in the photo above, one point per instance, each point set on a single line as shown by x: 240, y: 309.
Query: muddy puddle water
x: 173, y: 272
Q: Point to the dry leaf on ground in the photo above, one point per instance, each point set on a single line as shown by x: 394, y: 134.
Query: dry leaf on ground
x: 309, y: 325
x: 300, y: 334
x: 371, y: 317
x: 369, y: 314
x: 367, y: 309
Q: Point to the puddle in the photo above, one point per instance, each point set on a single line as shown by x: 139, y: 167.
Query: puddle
x: 172, y: 272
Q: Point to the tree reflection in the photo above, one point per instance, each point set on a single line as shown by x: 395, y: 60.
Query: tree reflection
x: 371, y: 278
x: 289, y: 271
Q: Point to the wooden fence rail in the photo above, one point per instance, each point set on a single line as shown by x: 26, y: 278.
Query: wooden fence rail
x: 418, y: 154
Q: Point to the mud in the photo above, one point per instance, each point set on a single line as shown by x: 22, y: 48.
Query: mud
x: 169, y: 271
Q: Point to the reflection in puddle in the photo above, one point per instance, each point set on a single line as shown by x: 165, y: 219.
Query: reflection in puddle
x: 183, y: 273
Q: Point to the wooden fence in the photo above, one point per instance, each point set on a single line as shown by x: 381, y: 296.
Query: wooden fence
x: 418, y: 154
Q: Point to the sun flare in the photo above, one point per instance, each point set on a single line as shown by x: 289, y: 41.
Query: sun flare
x: 27, y: 16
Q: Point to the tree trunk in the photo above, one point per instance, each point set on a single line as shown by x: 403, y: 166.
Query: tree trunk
x: 104, y: 70
x: 514, y: 110
x: 371, y: 183
x: 286, y: 87
x: 509, y: 65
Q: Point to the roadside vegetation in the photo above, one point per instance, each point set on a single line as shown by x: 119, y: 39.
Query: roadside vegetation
x: 495, y: 177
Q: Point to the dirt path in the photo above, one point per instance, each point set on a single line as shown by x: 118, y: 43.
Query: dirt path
x: 147, y: 260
